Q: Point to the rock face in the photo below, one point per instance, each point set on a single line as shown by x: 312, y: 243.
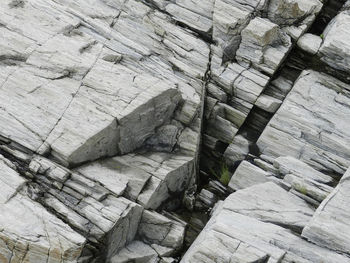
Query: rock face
x: 271, y: 203
x: 97, y: 125
x: 29, y: 233
x: 329, y: 226
x: 312, y: 124
x: 106, y: 107
x: 233, y: 236
x: 249, y: 48
x: 335, y: 47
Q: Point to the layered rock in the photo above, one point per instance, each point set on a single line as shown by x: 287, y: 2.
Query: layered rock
x: 311, y: 125
x: 249, y: 48
x: 236, y: 234
x: 100, y: 124
x: 29, y: 233
x: 329, y: 225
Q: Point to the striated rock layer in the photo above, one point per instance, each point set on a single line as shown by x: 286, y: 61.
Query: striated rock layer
x: 103, y: 105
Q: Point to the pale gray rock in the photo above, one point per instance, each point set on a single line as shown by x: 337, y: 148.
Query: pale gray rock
x: 70, y: 69
x: 335, y: 47
x: 230, y: 236
x: 312, y: 124
x: 195, y: 14
x: 263, y: 45
x: 247, y: 175
x: 164, y: 140
x: 268, y: 103
x: 268, y: 167
x: 269, y: 202
x: 217, y: 92
x: 189, y: 17
x: 11, y: 182
x: 205, y: 200
x: 237, y: 150
x: 329, y: 226
x: 157, y: 229
x: 167, y: 260
x: 170, y: 173
x: 29, y: 233
x: 310, y: 43
x: 112, y: 128
x: 163, y: 251
x: 117, y: 176
x: 289, y: 12
x: 308, y: 187
x: 137, y: 252
x: 290, y: 165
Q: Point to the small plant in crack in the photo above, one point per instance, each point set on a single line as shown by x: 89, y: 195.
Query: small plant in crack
x: 223, y: 173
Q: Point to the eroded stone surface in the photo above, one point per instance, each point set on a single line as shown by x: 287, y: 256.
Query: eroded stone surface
x: 29, y: 233
x: 236, y: 237
x: 311, y: 125
x: 117, y: 92
x: 329, y: 226
x: 335, y: 47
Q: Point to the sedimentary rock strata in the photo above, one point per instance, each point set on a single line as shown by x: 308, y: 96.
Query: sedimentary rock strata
x: 106, y: 108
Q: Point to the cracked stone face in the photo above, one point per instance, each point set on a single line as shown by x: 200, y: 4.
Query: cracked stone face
x: 101, y: 131
x: 77, y: 86
x: 313, y: 121
x: 71, y: 96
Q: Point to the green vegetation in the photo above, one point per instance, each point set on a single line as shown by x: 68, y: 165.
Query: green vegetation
x: 223, y: 175
x: 322, y: 36
x: 302, y: 189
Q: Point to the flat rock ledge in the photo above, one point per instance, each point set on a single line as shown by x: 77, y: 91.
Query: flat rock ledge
x: 106, y: 108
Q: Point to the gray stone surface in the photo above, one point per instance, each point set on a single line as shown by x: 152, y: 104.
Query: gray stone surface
x: 246, y: 175
x: 291, y: 165
x: 160, y: 230
x: 230, y: 236
x: 329, y: 226
x: 101, y: 107
x: 335, y: 47
x: 269, y: 202
x: 312, y: 124
x: 310, y: 43
x: 29, y: 233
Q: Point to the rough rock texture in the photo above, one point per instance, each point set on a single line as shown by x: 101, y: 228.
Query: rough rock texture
x: 29, y: 233
x: 335, y: 47
x: 100, y: 124
x: 312, y: 124
x: 329, y: 226
x: 231, y: 236
x: 106, y: 105
x: 249, y: 48
x: 247, y: 175
x: 271, y: 203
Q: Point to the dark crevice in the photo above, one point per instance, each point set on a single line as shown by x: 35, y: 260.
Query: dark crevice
x: 205, y: 36
x: 330, y: 9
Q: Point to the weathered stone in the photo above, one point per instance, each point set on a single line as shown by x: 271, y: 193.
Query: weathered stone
x: 158, y: 229
x: 289, y: 12
x: 247, y: 175
x: 335, y: 46
x: 291, y: 165
x: 240, y: 238
x: 308, y: 187
x: 268, y: 103
x: 137, y: 251
x: 329, y: 226
x: 270, y: 203
x: 28, y: 232
x: 311, y: 124
x: 310, y: 43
